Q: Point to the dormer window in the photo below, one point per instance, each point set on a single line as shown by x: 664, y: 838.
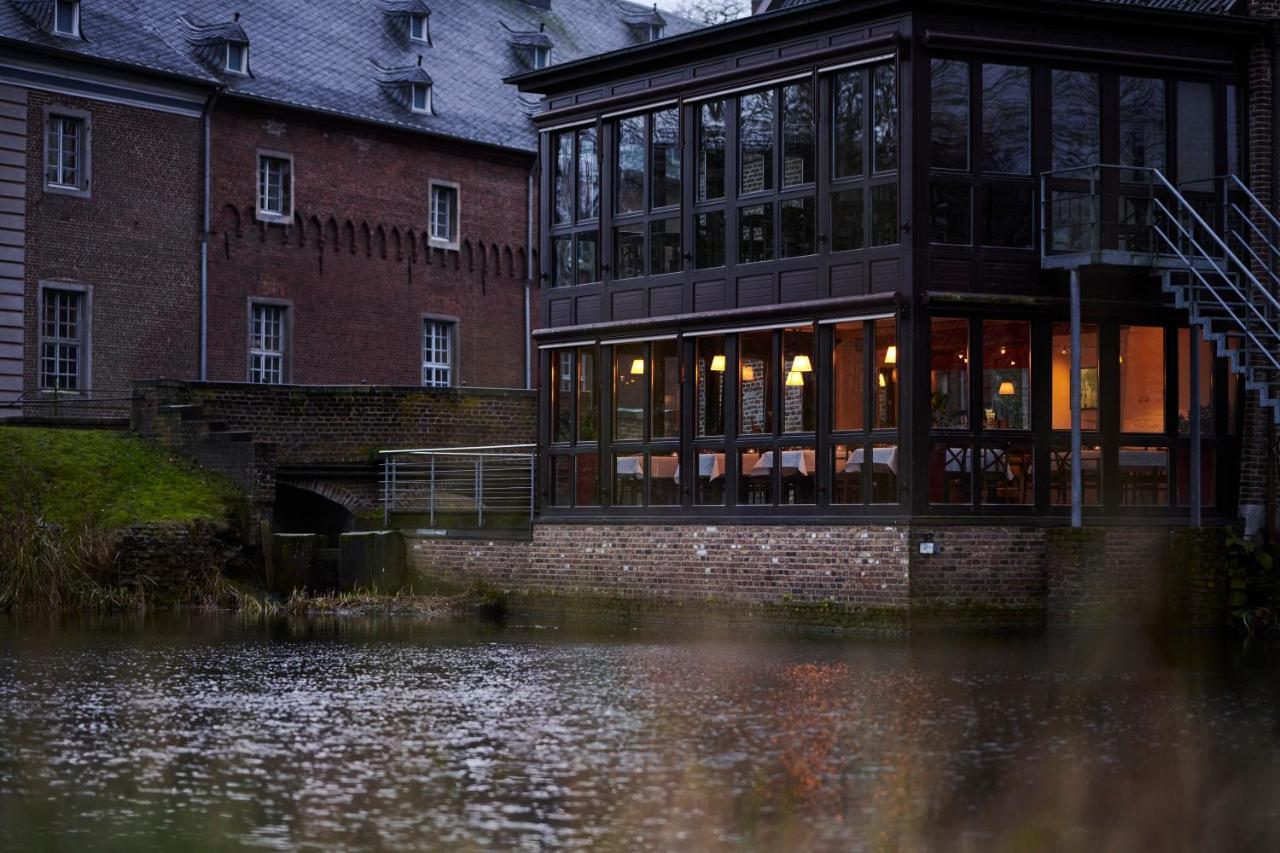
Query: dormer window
x: 237, y: 58
x: 646, y: 24
x: 541, y: 56
x: 655, y: 32
x: 422, y: 98
x: 66, y: 18
x: 418, y: 28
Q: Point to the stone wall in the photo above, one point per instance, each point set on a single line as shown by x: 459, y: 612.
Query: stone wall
x: 1014, y: 575
x: 175, y: 562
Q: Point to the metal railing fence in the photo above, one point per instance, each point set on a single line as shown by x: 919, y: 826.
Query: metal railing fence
x: 465, y: 487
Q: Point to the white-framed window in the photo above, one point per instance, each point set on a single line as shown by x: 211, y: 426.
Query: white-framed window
x: 419, y: 28
x: 437, y: 353
x: 655, y: 31
x: 444, y: 213
x: 541, y: 56
x: 275, y: 187
x: 237, y: 57
x: 66, y: 18
x: 64, y: 329
x: 67, y: 152
x: 421, y: 98
x: 268, y: 342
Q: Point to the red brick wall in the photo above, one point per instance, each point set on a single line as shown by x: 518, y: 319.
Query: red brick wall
x: 355, y: 263
x: 134, y: 240
x: 979, y: 566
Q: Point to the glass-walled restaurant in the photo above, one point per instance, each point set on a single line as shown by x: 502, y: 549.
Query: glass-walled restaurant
x: 884, y: 408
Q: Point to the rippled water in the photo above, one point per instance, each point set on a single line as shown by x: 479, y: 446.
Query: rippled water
x: 198, y: 732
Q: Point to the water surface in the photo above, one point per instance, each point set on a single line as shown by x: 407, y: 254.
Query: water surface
x: 210, y: 731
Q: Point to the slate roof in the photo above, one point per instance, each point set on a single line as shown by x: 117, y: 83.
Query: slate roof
x: 323, y: 54
x: 1207, y: 7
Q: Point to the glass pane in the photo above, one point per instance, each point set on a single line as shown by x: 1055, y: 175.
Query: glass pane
x: 1142, y: 131
x: 951, y: 214
x: 799, y: 385
x: 562, y: 261
x: 885, y: 132
x: 588, y: 175
x: 664, y: 247
x: 1090, y: 475
x: 755, y: 128
x: 588, y: 261
x: 562, y: 395
x: 884, y: 474
x: 949, y: 373
x: 1008, y: 216
x: 666, y: 158
x: 628, y: 479
x: 755, y: 477
x: 1208, y: 473
x: 1144, y: 476
x: 798, y: 474
x: 1141, y: 379
x: 1196, y: 134
x: 755, y: 233
x: 848, y: 461
x: 885, y: 394
x: 563, y: 179
x: 710, y: 364
x: 1075, y: 119
x: 848, y: 376
x: 797, y: 134
x: 630, y: 169
x: 847, y: 226
x: 850, y: 136
x: 664, y: 479
x: 755, y: 359
x: 628, y: 251
x: 711, y: 151
x: 709, y: 251
x: 949, y: 128
x: 562, y: 481
x: 950, y: 473
x: 710, y: 488
x: 799, y: 226
x: 884, y: 214
x: 1006, y: 119
x: 664, y: 404
x: 1006, y: 374
x: 1184, y: 383
x: 1005, y: 477
x: 587, y: 479
x: 588, y: 416
x: 629, y: 372
x: 1061, y: 376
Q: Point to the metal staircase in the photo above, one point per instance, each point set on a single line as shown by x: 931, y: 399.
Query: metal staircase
x: 1214, y: 245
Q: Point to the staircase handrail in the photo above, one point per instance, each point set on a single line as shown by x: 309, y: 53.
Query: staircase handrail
x: 1257, y: 258
x: 1235, y: 179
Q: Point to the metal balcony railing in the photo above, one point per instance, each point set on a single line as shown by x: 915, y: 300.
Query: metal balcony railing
x: 475, y: 488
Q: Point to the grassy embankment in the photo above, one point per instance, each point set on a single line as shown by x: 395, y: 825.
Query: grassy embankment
x: 65, y: 495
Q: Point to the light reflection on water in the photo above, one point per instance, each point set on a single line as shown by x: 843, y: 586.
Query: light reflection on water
x: 210, y: 731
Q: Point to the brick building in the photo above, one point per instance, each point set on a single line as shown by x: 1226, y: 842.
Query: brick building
x: 293, y: 192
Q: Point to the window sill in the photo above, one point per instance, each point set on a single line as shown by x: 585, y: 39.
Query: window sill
x: 61, y: 189
x: 274, y: 218
x: 437, y: 243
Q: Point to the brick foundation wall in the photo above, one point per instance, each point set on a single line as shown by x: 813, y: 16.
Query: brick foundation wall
x: 984, y: 574
x: 356, y: 265
x: 134, y: 240
x: 317, y: 424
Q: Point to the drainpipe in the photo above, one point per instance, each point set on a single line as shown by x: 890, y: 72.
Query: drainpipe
x: 207, y: 122
x: 528, y: 279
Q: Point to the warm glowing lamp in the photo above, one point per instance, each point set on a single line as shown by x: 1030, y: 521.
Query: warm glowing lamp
x: 795, y: 379
x: 1006, y: 389
x: 637, y: 367
x: 748, y: 373
x: 883, y: 384
x: 891, y: 355
x: 801, y: 364
x: 717, y: 363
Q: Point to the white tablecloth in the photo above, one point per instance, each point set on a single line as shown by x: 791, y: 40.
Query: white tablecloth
x: 710, y: 467
x: 793, y: 461
x: 881, y: 457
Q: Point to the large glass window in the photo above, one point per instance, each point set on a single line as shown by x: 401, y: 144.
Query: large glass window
x: 1061, y: 376
x: 849, y: 123
x: 755, y: 233
x: 885, y: 127
x: 1204, y: 367
x: 665, y: 145
x: 949, y: 373
x: 1006, y: 374
x: 884, y: 392
x: 562, y: 180
x: 710, y: 366
x: 588, y: 174
x: 798, y: 143
x: 646, y: 232
x: 709, y: 239
x: 1142, y: 379
x: 574, y: 455
x: 711, y: 151
x: 575, y: 207
x: 952, y: 211
x: 799, y: 386
x: 1006, y: 119
x: 863, y: 202
x: 630, y: 165
x: 755, y: 382
x: 629, y: 372
x: 1197, y: 132
x: 949, y: 128
x: 1142, y: 123
x: 1075, y: 133
x: 755, y: 142
x: 588, y: 412
x: 664, y: 406
x: 848, y: 376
